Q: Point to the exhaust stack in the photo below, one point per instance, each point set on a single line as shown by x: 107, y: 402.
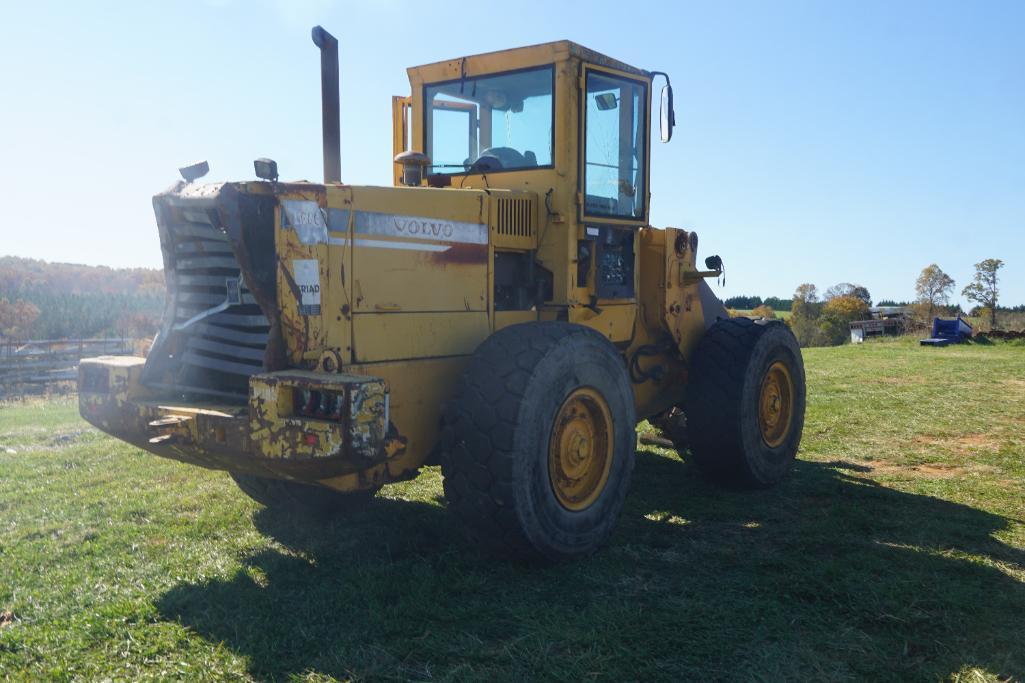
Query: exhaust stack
x: 330, y: 112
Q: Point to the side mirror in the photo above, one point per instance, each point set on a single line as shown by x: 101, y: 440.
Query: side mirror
x: 605, y: 101
x: 667, y: 117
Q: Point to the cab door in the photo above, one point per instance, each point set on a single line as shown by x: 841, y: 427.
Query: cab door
x: 612, y: 199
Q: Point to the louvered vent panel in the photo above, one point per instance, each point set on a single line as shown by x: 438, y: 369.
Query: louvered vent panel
x: 514, y: 222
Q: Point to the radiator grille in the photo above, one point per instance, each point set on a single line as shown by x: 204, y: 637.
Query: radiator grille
x: 220, y: 332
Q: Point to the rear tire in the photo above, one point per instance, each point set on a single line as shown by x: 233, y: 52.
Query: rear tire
x: 307, y: 499
x: 745, y: 402
x: 538, y: 441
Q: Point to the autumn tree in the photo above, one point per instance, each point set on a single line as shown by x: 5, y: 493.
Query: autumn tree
x: 16, y: 317
x: 763, y: 311
x: 933, y: 287
x: 837, y: 315
x: 847, y: 308
x: 983, y: 289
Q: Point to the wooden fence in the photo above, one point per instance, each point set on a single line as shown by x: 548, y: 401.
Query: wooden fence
x: 43, y: 361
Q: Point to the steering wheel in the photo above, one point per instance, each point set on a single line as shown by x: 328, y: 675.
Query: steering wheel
x: 494, y: 158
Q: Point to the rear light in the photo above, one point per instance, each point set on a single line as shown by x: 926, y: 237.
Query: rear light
x: 323, y: 405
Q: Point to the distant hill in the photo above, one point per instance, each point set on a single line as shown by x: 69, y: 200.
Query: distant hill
x: 42, y: 300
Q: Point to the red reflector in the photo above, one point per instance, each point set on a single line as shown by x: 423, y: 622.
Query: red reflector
x: 312, y: 439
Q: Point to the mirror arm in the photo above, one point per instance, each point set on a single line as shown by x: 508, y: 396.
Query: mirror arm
x: 663, y: 74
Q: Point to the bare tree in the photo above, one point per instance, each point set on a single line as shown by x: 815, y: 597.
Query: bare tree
x: 983, y: 289
x: 806, y: 293
x: 849, y: 289
x: 933, y: 287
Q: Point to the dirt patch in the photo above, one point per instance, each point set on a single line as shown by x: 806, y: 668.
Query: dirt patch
x: 7, y: 618
x: 922, y: 471
x: 944, y: 471
x: 963, y: 444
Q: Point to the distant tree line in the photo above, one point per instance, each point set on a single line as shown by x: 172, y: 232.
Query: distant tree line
x: 826, y: 321
x: 41, y: 300
x: 749, y: 303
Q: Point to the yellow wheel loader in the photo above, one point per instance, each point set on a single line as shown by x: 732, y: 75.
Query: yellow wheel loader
x: 504, y: 310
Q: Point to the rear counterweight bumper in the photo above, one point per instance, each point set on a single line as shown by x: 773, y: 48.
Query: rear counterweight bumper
x: 301, y: 425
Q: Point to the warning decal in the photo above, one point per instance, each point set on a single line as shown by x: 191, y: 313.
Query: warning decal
x: 307, y: 278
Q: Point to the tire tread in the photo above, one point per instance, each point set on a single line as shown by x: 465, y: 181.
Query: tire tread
x: 478, y: 431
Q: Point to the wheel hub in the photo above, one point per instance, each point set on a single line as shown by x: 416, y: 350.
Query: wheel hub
x: 776, y: 404
x: 580, y: 449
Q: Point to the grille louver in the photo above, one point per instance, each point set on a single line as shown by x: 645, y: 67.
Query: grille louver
x: 220, y: 333
x: 514, y: 222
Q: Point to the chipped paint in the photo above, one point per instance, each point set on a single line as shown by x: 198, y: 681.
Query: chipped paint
x: 263, y: 438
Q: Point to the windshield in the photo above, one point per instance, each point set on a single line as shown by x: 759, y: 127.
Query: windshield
x: 491, y: 123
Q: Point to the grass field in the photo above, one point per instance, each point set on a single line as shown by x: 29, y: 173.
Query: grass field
x: 781, y: 315
x: 896, y: 551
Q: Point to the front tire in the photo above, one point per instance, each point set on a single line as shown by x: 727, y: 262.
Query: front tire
x: 538, y: 441
x: 745, y: 402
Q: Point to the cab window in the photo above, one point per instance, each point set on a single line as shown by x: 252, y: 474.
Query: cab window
x: 500, y: 122
x: 615, y: 143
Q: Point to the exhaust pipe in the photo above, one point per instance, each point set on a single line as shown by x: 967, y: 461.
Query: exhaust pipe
x: 330, y: 112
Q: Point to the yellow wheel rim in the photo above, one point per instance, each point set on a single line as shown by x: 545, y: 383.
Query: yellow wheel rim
x: 776, y: 404
x: 580, y: 449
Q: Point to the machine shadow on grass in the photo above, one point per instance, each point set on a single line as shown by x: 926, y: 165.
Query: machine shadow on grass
x: 830, y: 575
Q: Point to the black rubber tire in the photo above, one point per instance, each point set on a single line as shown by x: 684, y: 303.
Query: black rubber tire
x: 298, y: 498
x: 496, y: 429
x: 722, y: 402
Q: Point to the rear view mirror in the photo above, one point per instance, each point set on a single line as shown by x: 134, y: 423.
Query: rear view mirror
x: 667, y: 117
x: 605, y: 101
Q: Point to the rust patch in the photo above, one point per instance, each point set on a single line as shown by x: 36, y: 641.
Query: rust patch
x: 462, y: 254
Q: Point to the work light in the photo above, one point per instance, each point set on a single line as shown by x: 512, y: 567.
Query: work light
x: 267, y: 169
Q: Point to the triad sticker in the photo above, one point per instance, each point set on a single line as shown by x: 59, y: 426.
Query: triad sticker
x: 307, y: 277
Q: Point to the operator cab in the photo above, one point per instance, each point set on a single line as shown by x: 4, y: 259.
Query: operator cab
x: 555, y: 116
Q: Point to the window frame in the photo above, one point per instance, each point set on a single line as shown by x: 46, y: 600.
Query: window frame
x: 611, y: 219
x: 428, y: 111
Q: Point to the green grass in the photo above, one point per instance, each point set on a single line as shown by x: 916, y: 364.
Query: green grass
x: 895, y: 551
x: 781, y: 315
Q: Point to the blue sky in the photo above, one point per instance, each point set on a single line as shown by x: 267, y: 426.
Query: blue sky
x: 816, y: 142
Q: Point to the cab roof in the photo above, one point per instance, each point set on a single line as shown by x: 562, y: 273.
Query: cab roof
x: 542, y: 53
